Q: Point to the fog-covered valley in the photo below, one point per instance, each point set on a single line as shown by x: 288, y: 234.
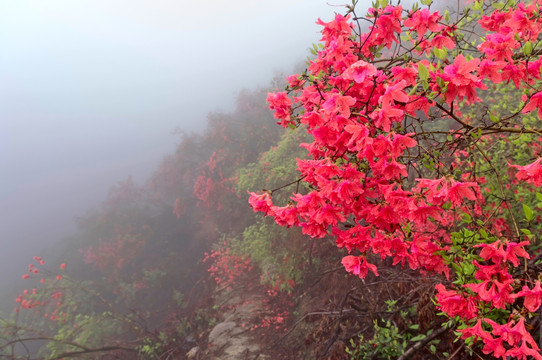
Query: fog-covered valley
x: 96, y: 91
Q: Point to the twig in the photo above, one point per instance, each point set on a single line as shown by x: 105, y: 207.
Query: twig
x: 456, y: 351
x: 499, y: 180
x: 420, y: 344
x: 76, y: 353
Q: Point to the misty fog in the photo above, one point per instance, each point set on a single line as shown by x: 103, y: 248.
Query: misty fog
x: 92, y: 91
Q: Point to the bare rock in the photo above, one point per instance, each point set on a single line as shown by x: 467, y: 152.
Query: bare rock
x: 221, y: 333
x: 192, y: 353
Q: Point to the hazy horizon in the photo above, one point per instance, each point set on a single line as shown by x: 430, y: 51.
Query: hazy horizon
x: 92, y: 91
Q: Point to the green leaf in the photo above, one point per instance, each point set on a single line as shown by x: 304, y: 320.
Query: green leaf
x: 538, y: 196
x: 468, y: 269
x: 528, y: 212
x: 457, y: 267
x: 442, y: 84
x: 528, y: 48
x: 423, y: 73
x: 483, y: 233
x: 441, y: 53
x: 418, y: 337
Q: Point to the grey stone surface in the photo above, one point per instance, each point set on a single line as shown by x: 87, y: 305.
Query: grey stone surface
x: 231, y: 339
x: 220, y: 334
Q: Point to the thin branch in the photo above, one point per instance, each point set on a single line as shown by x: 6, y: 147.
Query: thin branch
x: 494, y: 130
x: 48, y: 338
x: 453, y: 116
x: 420, y: 344
x: 104, y: 349
x: 293, y: 182
x: 499, y: 180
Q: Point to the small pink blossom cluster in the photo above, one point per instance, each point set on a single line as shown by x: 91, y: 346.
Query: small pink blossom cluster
x: 210, y: 191
x: 496, y: 289
x: 276, y: 310
x: 504, y: 341
x: 48, y: 300
x: 112, y: 255
x: 225, y: 267
x: 25, y: 302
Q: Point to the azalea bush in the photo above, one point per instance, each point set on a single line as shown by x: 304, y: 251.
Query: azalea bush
x: 226, y: 267
x: 58, y: 317
x: 110, y: 291
x: 424, y: 149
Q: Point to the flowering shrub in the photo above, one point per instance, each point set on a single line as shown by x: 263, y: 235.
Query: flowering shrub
x: 224, y: 266
x: 275, y: 311
x: 402, y: 167
x: 47, y: 297
x: 70, y: 317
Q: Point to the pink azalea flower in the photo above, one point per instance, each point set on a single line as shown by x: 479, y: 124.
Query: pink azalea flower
x: 359, y: 71
x: 533, y: 298
x: 532, y: 173
x: 535, y: 102
x: 358, y: 265
x: 422, y: 20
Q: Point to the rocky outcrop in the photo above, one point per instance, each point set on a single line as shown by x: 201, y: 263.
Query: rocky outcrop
x: 232, y: 338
